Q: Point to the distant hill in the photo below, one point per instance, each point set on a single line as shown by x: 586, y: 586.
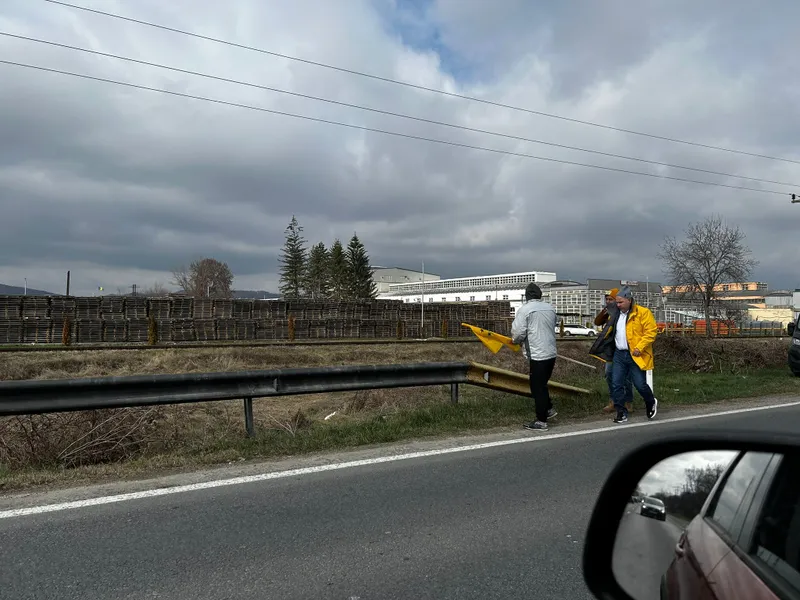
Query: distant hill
x: 254, y: 294
x: 13, y: 290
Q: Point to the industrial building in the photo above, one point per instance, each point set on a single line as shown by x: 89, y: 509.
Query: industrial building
x: 749, y: 292
x: 779, y: 299
x: 796, y: 303
x: 505, y: 286
x: 387, y: 276
x: 579, y: 303
x: 575, y: 302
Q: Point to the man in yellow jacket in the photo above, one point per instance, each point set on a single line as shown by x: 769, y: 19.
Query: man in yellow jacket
x: 635, y: 331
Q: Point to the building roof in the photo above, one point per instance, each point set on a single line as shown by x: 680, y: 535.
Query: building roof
x: 637, y: 286
x: 742, y: 294
x: 559, y: 283
x: 379, y: 268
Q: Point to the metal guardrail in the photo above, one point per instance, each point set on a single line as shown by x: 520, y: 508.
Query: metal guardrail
x: 512, y: 382
x: 32, y: 347
x: 30, y: 397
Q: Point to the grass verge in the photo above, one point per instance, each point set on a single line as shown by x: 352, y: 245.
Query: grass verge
x: 184, y: 437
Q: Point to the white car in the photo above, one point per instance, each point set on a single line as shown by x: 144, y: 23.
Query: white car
x: 576, y: 330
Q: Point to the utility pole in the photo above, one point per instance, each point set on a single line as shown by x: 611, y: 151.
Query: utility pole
x: 133, y: 289
x: 67, y: 283
x: 422, y: 312
x: 26, y: 287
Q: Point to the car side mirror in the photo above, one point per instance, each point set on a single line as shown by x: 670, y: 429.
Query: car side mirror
x: 656, y: 516
x: 790, y: 329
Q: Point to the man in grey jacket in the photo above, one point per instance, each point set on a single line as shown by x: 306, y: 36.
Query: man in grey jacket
x: 534, y: 328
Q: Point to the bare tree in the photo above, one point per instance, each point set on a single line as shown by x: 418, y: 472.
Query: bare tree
x: 157, y: 289
x: 713, y: 253
x: 207, y: 277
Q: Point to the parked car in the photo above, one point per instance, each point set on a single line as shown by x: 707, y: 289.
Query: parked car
x: 576, y: 330
x: 794, y: 349
x: 653, y: 508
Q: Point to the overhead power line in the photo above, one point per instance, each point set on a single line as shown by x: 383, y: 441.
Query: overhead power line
x: 417, y: 86
x: 384, y: 131
x: 387, y: 112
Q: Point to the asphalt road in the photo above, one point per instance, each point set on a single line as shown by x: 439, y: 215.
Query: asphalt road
x: 503, y: 522
x: 643, y: 551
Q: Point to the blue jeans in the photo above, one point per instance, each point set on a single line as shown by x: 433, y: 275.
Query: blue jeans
x: 610, y: 381
x: 623, y: 367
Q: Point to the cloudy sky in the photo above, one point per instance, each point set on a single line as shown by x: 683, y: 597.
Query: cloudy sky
x: 671, y: 472
x: 121, y: 185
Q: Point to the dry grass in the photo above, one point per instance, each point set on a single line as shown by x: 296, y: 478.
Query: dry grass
x: 690, y: 354
x: 55, y: 365
x: 702, y: 355
x: 204, y: 433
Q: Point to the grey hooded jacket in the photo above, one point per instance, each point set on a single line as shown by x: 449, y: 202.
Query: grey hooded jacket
x: 534, y: 328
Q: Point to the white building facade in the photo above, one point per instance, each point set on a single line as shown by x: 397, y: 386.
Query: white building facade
x: 796, y: 302
x: 505, y: 286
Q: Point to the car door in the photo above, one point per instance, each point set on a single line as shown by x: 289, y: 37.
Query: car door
x: 768, y: 549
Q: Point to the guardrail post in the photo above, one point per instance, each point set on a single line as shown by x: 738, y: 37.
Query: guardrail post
x: 453, y: 393
x: 248, y: 417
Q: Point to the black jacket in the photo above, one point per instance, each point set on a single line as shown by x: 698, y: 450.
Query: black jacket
x: 603, y: 347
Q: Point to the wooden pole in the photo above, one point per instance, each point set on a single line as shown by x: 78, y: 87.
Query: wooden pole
x: 577, y: 362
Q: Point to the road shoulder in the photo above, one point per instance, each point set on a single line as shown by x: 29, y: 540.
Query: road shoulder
x: 54, y: 494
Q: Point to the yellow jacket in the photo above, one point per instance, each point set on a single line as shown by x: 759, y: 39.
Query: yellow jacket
x: 641, y: 331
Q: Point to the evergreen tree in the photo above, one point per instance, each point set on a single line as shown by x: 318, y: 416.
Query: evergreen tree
x: 293, y: 262
x: 360, y: 283
x: 318, y: 274
x: 339, y: 277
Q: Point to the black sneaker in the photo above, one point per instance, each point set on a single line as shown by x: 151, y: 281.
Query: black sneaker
x: 621, y: 418
x: 653, y: 410
x: 536, y: 426
x: 552, y: 413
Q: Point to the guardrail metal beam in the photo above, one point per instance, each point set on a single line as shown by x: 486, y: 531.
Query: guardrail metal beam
x: 44, y: 396
x: 30, y: 397
x: 510, y: 381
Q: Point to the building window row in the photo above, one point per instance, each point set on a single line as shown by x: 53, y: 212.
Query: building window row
x: 489, y: 280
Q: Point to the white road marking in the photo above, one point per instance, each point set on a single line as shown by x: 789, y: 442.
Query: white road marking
x: 538, y: 437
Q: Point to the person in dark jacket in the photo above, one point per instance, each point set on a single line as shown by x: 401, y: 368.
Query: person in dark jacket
x: 607, y: 317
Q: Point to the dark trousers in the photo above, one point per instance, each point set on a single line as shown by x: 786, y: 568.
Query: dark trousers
x: 540, y: 373
x: 610, y: 382
x: 624, y: 367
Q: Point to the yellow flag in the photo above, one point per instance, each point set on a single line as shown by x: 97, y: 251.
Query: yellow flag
x: 493, y: 341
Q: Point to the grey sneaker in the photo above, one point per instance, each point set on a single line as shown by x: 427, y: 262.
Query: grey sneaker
x: 536, y: 426
x: 552, y: 413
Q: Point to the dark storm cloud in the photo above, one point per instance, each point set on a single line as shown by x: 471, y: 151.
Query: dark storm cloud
x: 122, y: 184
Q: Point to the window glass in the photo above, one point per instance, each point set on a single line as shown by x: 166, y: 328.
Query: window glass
x: 777, y: 538
x: 744, y: 477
